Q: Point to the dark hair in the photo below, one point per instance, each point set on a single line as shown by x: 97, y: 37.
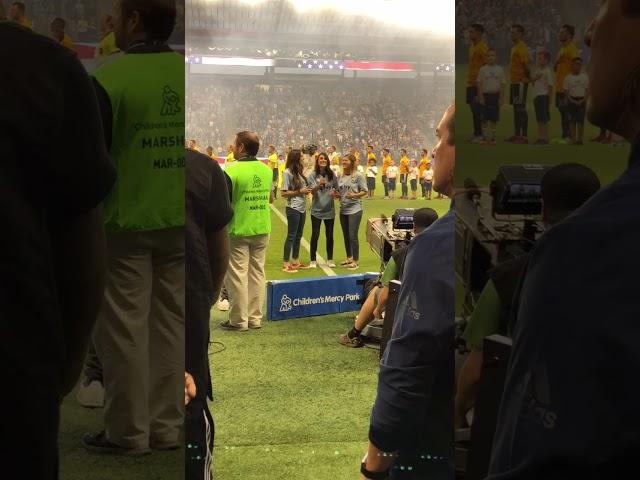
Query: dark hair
x: 158, y: 16
x: 327, y: 171
x: 425, y: 151
x: 250, y: 141
x: 565, y: 188
x: 59, y: 22
x: 576, y: 59
x: 518, y: 27
x: 477, y: 27
x: 403, y: 150
x: 294, y: 165
x: 352, y: 159
x: 423, y: 218
x: 370, y: 146
x: 20, y: 5
x: 385, y: 150
x: 571, y: 30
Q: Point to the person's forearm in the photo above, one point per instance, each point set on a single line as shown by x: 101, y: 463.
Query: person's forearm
x: 468, y: 380
x: 78, y: 248
x: 218, y: 251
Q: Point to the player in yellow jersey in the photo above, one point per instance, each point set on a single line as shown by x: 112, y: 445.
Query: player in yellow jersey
x: 18, y: 14
x: 210, y: 154
x: 230, y: 156
x: 519, y: 75
x: 477, y: 57
x: 107, y: 45
x: 370, y: 154
x: 386, y: 161
x: 57, y: 33
x: 568, y: 51
x: 273, y: 165
x: 424, y: 164
x: 404, y: 173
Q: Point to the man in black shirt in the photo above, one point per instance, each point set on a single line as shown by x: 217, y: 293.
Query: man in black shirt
x: 54, y: 174
x: 208, y: 211
x: 569, y: 409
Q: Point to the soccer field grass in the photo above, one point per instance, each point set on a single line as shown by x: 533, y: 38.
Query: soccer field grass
x: 481, y: 162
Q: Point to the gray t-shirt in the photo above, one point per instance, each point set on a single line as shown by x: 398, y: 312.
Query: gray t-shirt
x: 351, y: 183
x: 322, y: 206
x: 296, y: 202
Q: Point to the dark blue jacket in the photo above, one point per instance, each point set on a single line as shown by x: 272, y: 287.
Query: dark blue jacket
x: 413, y: 411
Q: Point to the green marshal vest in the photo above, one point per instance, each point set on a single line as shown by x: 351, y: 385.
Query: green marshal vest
x: 147, y: 98
x: 251, y: 188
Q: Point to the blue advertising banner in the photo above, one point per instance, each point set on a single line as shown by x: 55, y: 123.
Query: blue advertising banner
x: 310, y: 297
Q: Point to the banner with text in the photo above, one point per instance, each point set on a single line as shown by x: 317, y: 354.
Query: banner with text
x: 310, y: 297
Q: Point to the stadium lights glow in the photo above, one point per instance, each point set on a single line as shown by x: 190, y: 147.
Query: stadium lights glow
x: 432, y: 16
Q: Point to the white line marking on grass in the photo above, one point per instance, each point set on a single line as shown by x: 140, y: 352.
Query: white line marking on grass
x: 321, y: 261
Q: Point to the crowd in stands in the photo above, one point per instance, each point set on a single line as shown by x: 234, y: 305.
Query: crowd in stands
x: 304, y: 114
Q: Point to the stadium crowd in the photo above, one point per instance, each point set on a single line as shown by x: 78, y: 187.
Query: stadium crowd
x: 300, y: 115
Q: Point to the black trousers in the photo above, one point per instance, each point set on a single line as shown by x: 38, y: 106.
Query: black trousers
x: 561, y: 103
x: 199, y: 435
x: 316, y: 223
x: 476, y: 110
x: 519, y: 102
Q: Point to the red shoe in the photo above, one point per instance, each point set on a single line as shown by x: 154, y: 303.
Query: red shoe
x: 513, y: 139
x: 301, y: 266
x: 599, y: 138
x: 289, y: 269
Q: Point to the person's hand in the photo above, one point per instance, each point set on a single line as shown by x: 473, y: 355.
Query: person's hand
x: 189, y: 388
x: 349, y: 195
x: 323, y: 182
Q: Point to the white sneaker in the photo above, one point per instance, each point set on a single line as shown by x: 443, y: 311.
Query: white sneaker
x: 313, y: 265
x: 91, y: 395
x: 331, y: 264
x: 223, y: 305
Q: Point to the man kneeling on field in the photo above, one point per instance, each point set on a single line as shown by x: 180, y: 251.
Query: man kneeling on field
x: 376, y: 301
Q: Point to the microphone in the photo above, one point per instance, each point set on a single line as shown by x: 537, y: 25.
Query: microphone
x: 472, y: 191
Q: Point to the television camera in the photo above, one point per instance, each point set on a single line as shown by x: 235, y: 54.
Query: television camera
x: 493, y: 228
x: 384, y: 236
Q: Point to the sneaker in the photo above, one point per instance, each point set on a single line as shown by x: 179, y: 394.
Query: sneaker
x: 512, y: 139
x: 313, y: 265
x: 331, y: 264
x: 477, y: 140
x: 599, y: 138
x: 386, y: 198
x: 255, y: 326
x: 355, y: 342
x: 223, y: 305
x: 521, y: 141
x: 302, y: 266
x: 90, y: 394
x: 98, y: 443
x: 226, y: 325
x: 352, y: 266
x: 289, y: 269
x: 346, y: 262
x: 164, y: 446
x: 540, y: 142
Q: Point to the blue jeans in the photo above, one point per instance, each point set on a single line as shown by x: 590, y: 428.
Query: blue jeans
x: 350, y: 225
x: 295, y: 225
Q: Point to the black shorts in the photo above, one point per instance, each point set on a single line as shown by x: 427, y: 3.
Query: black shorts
x: 427, y: 186
x: 561, y: 100
x: 519, y: 93
x: 541, y: 104
x: 371, y: 183
x: 491, y: 110
x: 275, y: 175
x: 392, y: 183
x: 576, y: 112
x: 472, y: 95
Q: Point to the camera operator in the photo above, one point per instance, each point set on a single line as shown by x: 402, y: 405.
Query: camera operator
x: 376, y: 301
x: 565, y: 188
x: 570, y: 403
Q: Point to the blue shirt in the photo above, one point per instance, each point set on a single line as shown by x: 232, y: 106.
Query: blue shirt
x: 570, y: 403
x: 414, y: 404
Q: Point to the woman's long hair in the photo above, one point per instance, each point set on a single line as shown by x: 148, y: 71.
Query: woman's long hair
x: 294, y: 164
x: 327, y: 171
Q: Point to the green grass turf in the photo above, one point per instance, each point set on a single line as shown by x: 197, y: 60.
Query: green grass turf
x: 481, y: 162
x: 290, y: 402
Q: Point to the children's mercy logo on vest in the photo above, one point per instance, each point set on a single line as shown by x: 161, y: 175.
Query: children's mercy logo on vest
x: 170, y: 102
x: 285, y: 303
x: 257, y: 183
